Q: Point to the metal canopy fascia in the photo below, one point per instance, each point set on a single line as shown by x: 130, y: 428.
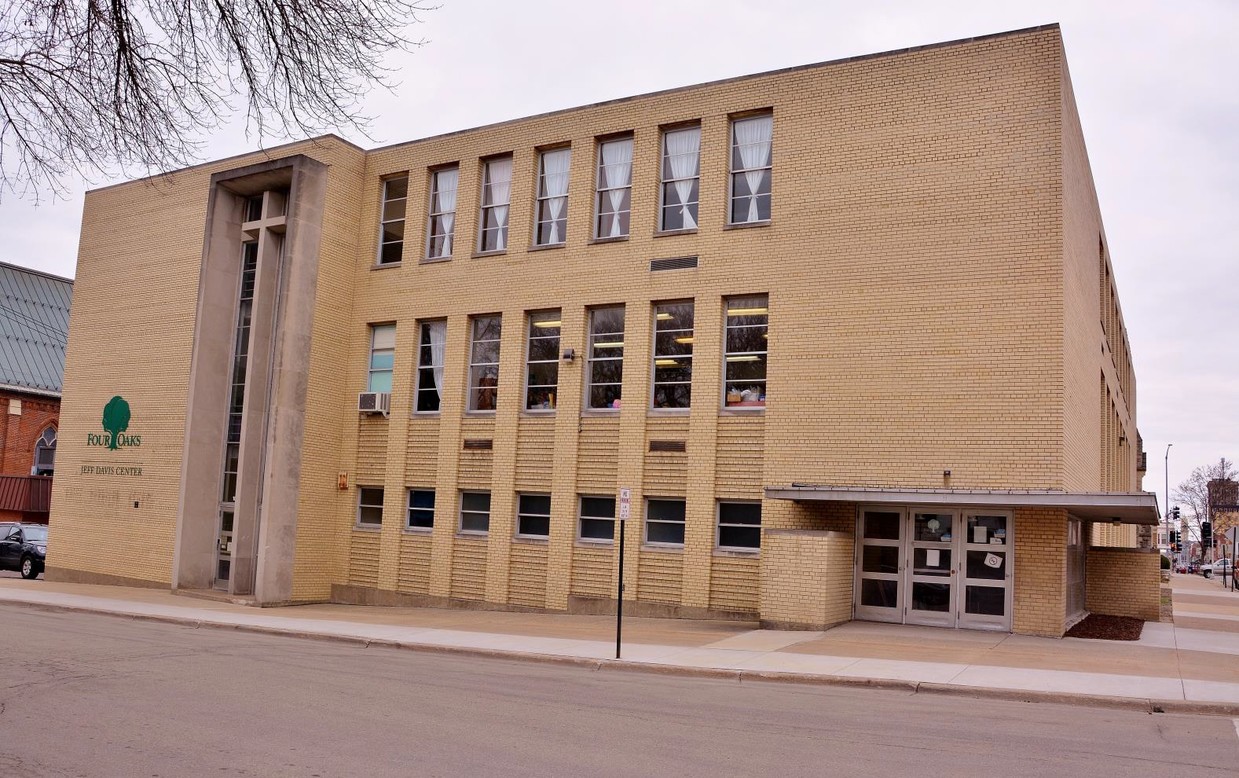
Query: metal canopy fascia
x: 1123, y: 507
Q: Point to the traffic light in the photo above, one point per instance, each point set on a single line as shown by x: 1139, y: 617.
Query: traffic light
x: 1174, y: 540
x: 1206, y: 535
x: 1174, y: 513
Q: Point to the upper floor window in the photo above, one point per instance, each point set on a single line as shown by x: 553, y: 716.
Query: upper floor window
x: 370, y: 506
x: 606, y: 357
x: 614, y: 188
x: 750, y: 169
x: 391, y: 229
x: 673, y: 354
x: 496, y: 199
x: 442, y: 212
x: 542, y: 363
x: 382, y: 357
x: 552, y: 225
x: 45, y: 452
x: 484, y: 363
x: 431, y: 346
x: 681, y: 178
x: 744, y: 380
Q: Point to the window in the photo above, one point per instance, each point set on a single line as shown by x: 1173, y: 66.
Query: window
x: 606, y: 357
x: 430, y: 350
x: 391, y: 227
x: 552, y: 225
x: 475, y: 512
x: 597, y: 518
x: 45, y: 452
x: 382, y: 357
x: 442, y: 212
x: 750, y: 169
x: 614, y: 201
x: 542, y: 366
x: 370, y: 506
x: 673, y: 354
x: 744, y: 380
x: 739, y: 525
x: 484, y: 363
x: 421, y: 508
x: 533, y: 515
x: 496, y: 198
x: 681, y: 158
x: 664, y: 522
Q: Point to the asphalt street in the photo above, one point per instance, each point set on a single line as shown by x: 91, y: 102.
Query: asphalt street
x: 90, y: 695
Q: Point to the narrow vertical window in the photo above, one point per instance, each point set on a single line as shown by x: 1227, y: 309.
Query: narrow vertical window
x: 484, y: 363
x: 496, y: 199
x: 430, y: 350
x: 533, y: 515
x: 606, y: 357
x: 750, y: 169
x: 614, y: 202
x: 370, y: 506
x: 552, y: 223
x: 744, y: 379
x: 45, y: 453
x: 475, y: 513
x: 442, y: 225
x: 421, y: 509
x: 240, y: 365
x: 597, y: 519
x: 391, y: 228
x: 382, y: 357
x: 681, y: 179
x: 673, y: 355
x: 542, y: 362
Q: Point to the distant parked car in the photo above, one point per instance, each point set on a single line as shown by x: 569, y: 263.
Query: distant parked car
x: 23, y: 547
x: 1220, y: 567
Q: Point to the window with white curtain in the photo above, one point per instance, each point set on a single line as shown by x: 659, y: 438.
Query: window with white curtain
x: 552, y: 224
x: 484, y: 363
x: 391, y: 222
x: 673, y: 354
x: 750, y: 169
x: 681, y: 173
x: 496, y: 202
x: 431, y: 342
x: 542, y: 361
x: 606, y: 358
x: 614, y: 201
x: 440, y: 230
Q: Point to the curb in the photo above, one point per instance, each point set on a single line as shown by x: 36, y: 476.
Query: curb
x: 1142, y: 704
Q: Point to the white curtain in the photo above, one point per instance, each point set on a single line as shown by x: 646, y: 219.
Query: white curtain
x: 617, y: 163
x: 555, y: 166
x: 437, y: 330
x: 683, y: 148
x: 753, y: 142
x: 447, y: 181
x: 501, y: 195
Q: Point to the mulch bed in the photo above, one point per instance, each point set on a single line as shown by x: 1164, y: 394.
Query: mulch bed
x: 1098, y: 627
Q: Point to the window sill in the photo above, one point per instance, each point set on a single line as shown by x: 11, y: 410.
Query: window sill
x: 616, y: 239
x: 732, y: 410
x: 385, y: 265
x: 743, y: 553
x: 480, y: 414
x: 426, y: 414
x: 594, y: 543
x: 531, y: 540
x: 483, y: 254
x: 368, y: 527
x: 538, y: 413
x: 670, y: 411
x: 419, y: 531
x: 600, y: 411
x: 549, y: 246
x: 747, y: 225
x: 472, y: 534
x: 434, y: 260
x: 670, y: 548
x: 669, y: 233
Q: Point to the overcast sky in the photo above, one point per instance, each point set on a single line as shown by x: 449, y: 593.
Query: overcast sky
x: 1155, y: 83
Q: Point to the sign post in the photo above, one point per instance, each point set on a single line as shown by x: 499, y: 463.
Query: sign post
x: 625, y: 509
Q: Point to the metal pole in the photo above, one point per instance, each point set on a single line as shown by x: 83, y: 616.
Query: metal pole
x: 619, y: 593
x: 1167, y: 508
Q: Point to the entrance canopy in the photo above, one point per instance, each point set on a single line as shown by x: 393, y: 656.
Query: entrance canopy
x: 1121, y: 507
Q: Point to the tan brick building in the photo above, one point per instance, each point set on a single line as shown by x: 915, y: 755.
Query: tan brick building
x: 842, y: 341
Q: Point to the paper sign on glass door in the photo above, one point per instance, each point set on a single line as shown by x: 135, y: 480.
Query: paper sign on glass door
x: 931, y: 557
x: 993, y: 560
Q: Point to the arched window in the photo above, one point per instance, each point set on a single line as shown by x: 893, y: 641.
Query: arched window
x: 45, y: 452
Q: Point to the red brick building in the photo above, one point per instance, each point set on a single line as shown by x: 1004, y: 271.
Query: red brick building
x: 34, y: 326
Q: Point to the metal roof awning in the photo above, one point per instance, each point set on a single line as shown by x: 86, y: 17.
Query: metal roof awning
x: 1122, y: 507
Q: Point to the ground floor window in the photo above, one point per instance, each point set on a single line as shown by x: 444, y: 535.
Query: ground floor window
x: 739, y: 525
x: 664, y: 522
x: 475, y: 512
x: 597, y: 518
x: 370, y: 506
x: 421, y: 508
x: 533, y: 515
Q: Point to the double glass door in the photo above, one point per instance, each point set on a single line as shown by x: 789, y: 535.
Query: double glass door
x: 934, y: 566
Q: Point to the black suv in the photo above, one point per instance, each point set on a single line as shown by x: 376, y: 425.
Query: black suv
x: 23, y: 547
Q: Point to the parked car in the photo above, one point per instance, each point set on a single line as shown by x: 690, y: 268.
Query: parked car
x: 23, y: 547
x: 1220, y: 567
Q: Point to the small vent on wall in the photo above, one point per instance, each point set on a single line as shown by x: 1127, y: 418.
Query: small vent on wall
x: 673, y: 263
x: 668, y: 445
x: 479, y: 444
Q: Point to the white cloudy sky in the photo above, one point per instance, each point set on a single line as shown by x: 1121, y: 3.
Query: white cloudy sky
x: 1155, y: 83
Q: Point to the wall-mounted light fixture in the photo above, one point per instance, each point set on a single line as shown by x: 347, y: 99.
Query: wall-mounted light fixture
x: 569, y: 355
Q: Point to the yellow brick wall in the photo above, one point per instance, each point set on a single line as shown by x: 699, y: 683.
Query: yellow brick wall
x: 1040, y: 603
x: 806, y: 578
x: 1124, y: 582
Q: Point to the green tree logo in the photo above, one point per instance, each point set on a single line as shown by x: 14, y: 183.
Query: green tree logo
x: 115, y: 419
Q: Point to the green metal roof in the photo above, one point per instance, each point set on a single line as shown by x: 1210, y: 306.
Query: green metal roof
x: 34, y: 327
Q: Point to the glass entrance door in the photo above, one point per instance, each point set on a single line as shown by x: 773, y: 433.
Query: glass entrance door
x: 879, y: 589
x: 931, y: 577
x: 985, y: 596
x: 223, y: 550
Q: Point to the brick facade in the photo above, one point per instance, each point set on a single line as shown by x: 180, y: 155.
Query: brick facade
x: 26, y: 417
x: 1124, y: 582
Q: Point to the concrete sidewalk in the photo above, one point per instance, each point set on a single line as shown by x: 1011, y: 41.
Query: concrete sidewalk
x: 1191, y: 665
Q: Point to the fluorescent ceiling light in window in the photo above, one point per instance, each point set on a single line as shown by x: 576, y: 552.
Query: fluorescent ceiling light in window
x: 666, y: 363
x: 610, y: 344
x: 663, y: 316
x: 745, y: 311
x: 744, y: 358
x: 547, y: 323
x: 687, y: 340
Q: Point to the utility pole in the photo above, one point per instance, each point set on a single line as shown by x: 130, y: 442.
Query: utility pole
x: 1167, y: 508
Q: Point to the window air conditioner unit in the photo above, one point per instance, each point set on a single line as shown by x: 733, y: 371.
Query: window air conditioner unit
x: 374, y: 402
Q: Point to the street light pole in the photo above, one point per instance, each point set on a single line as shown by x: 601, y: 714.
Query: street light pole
x: 1167, y: 508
